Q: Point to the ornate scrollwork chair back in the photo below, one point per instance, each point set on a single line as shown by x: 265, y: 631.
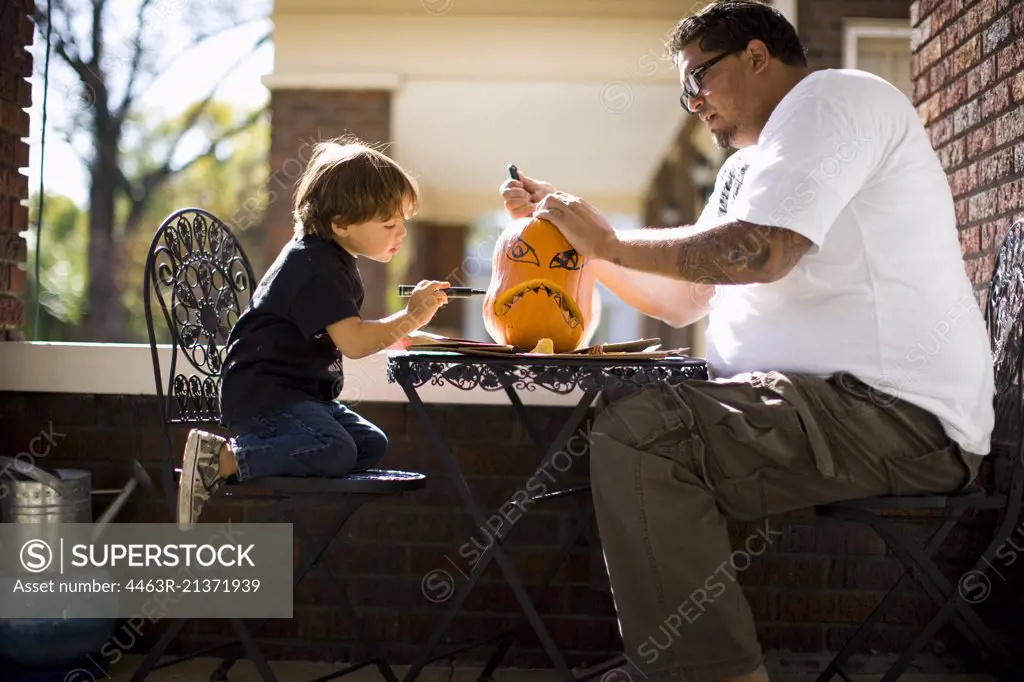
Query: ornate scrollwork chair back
x: 1004, y: 315
x: 201, y: 278
x: 200, y: 275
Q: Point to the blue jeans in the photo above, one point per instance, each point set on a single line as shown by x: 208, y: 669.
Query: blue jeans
x: 309, y: 438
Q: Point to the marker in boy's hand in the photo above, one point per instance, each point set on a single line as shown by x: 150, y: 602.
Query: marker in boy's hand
x: 427, y: 298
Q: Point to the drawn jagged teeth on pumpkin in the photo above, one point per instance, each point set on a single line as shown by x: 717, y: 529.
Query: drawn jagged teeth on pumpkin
x: 560, y: 300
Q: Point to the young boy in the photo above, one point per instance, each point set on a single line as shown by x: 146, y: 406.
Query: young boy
x: 283, y: 368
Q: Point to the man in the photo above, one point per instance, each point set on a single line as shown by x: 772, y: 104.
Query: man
x: 848, y: 354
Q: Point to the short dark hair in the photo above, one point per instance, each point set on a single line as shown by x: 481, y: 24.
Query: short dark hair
x: 730, y: 25
x: 349, y: 181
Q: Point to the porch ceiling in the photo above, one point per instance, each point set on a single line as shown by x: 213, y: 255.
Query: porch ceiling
x: 586, y: 101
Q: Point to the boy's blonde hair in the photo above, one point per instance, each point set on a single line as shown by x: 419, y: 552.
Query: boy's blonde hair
x: 348, y: 181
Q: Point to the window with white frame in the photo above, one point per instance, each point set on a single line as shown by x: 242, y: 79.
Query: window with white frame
x: 881, y: 47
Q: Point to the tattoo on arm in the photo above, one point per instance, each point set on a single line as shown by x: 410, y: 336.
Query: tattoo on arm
x: 739, y: 253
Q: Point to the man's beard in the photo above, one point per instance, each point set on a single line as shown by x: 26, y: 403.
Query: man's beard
x: 724, y: 138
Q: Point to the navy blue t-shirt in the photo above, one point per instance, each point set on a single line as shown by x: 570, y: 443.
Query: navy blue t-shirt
x: 279, y: 351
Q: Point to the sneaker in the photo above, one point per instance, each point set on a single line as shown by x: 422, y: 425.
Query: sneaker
x: 200, y: 477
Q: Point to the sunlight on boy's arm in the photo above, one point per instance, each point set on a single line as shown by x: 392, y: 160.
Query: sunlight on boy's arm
x: 356, y: 338
x: 347, y: 337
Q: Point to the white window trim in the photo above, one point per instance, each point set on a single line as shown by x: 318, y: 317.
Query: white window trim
x: 788, y: 9
x: 127, y: 369
x: 855, y: 29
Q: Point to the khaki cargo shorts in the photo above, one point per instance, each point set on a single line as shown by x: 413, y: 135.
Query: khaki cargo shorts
x: 669, y: 465
x: 769, y: 443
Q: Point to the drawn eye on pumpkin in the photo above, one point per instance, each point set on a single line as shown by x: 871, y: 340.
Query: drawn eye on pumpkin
x: 521, y: 252
x: 568, y: 259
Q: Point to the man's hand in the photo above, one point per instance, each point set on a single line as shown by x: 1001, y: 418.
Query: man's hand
x: 426, y: 299
x: 579, y: 222
x: 522, y: 196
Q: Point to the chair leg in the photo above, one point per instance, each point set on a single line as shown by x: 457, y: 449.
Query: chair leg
x: 425, y: 653
x: 370, y: 643
x: 308, y: 560
x: 977, y: 632
x: 853, y: 645
x: 154, y: 654
x: 604, y: 669
x: 947, y: 597
x: 920, y: 642
x: 252, y: 651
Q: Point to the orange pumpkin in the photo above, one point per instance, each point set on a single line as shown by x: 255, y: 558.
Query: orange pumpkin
x: 540, y: 288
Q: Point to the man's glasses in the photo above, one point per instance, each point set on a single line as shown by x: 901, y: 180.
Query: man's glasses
x: 692, y: 85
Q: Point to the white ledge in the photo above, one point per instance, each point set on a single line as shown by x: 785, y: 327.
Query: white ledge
x: 127, y: 369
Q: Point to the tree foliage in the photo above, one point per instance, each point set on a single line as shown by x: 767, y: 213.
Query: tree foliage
x: 221, y: 184
x: 109, y: 60
x: 62, y: 269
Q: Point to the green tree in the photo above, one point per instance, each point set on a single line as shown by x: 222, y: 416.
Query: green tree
x: 226, y: 184
x: 110, y: 66
x: 63, y: 269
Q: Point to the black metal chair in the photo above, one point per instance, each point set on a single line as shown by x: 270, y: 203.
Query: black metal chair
x: 1004, y: 315
x: 200, y: 275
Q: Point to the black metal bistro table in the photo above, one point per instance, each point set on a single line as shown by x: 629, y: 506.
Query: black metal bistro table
x: 514, y: 374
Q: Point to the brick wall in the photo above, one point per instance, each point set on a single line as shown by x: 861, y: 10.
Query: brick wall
x: 300, y: 118
x: 808, y: 590
x: 15, y: 96
x: 820, y: 25
x: 968, y: 74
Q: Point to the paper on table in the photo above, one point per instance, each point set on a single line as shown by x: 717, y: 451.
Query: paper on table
x: 636, y: 349
x: 421, y: 339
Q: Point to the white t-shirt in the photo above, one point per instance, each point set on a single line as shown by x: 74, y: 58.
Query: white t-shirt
x: 845, y: 162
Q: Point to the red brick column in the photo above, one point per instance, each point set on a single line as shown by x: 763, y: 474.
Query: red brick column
x: 969, y: 89
x: 301, y: 118
x: 15, y: 96
x: 968, y: 74
x: 438, y: 253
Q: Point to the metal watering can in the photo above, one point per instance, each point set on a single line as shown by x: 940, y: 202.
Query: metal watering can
x: 36, y: 501
x: 62, y: 498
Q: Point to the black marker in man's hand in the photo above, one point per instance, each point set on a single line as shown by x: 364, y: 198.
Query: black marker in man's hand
x: 520, y: 201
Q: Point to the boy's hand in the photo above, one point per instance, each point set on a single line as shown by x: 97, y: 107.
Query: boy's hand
x: 427, y: 297
x: 522, y: 196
